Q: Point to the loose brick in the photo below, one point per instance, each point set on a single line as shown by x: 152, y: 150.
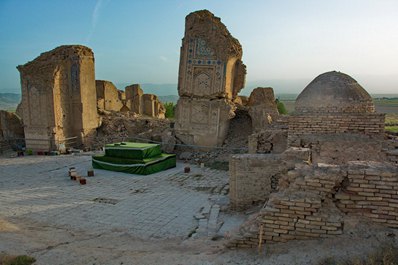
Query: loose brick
x: 311, y: 226
x: 331, y: 228
x: 374, y: 198
x: 281, y: 231
x: 318, y: 231
x: 371, y: 194
x: 281, y: 222
x: 303, y: 204
x: 384, y: 187
x: 337, y: 232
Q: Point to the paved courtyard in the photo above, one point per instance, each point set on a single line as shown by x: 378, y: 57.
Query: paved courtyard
x: 169, y: 217
x: 163, y: 205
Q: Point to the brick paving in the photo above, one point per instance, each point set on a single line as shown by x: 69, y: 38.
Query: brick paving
x: 161, y: 205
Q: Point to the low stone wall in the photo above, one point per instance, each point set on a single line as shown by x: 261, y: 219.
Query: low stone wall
x: 252, y: 177
x: 370, y: 124
x: 312, y: 200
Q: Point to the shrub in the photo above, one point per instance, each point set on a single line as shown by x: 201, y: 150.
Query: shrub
x: 281, y: 107
x: 170, y: 107
x: 16, y: 260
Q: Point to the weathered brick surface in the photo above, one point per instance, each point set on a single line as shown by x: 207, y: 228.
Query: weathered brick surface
x: 370, y: 124
x: 370, y: 193
x: 316, y: 198
x: 252, y: 177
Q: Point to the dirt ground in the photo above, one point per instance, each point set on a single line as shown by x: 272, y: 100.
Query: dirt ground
x: 52, y: 245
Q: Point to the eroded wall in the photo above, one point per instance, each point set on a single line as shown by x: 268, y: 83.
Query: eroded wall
x: 312, y: 202
x: 108, y: 96
x: 210, y: 70
x: 57, y: 97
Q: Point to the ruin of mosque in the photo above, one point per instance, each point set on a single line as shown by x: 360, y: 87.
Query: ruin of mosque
x: 57, y: 97
x: 134, y: 98
x: 262, y: 108
x: 144, y: 104
x: 333, y: 166
x: 108, y: 96
x: 11, y: 127
x: 211, y: 74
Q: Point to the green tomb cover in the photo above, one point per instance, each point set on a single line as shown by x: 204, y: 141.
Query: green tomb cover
x: 135, y: 166
x: 132, y: 150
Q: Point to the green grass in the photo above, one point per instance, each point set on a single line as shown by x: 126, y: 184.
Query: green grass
x: 16, y: 260
x: 170, y: 109
x: 391, y: 119
x: 391, y: 122
x: 393, y: 129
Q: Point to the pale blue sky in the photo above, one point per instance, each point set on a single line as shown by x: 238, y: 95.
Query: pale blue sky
x: 285, y: 43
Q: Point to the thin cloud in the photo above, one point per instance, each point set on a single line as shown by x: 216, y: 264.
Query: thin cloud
x: 163, y: 58
x: 96, y: 16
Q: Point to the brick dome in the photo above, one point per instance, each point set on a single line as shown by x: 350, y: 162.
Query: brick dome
x: 334, y: 92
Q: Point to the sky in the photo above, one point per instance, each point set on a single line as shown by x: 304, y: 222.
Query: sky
x: 286, y: 43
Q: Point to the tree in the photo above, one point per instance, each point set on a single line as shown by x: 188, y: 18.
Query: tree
x: 281, y: 107
x: 170, y: 107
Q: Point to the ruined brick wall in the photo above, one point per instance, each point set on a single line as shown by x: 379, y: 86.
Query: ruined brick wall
x: 313, y: 200
x: 57, y: 97
x: 134, y: 98
x: 152, y: 107
x: 371, y: 124
x: 268, y: 141
x: 262, y: 108
x: 211, y: 74
x: 372, y: 193
x: 10, y: 126
x: 338, y: 149
x: 252, y: 177
x: 108, y: 96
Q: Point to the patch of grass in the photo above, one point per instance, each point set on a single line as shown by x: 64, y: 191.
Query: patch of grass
x: 170, y: 108
x: 384, y: 255
x: 393, y: 129
x: 281, y: 107
x: 16, y: 260
x: 391, y: 119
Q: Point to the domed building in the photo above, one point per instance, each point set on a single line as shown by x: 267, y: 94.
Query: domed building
x: 335, y: 117
x: 334, y: 92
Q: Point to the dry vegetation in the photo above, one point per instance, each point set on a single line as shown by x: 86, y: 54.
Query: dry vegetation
x: 16, y: 260
x: 384, y: 255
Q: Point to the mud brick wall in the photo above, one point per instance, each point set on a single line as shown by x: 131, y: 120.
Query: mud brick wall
x: 370, y: 124
x: 392, y: 156
x: 339, y: 149
x: 252, y: 177
x: 268, y: 141
x: 371, y: 193
x: 312, y: 201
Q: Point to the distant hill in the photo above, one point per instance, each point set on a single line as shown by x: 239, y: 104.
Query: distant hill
x: 169, y: 98
x: 157, y: 89
x: 9, y: 101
